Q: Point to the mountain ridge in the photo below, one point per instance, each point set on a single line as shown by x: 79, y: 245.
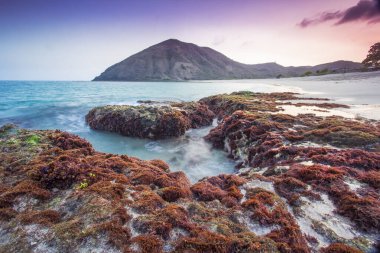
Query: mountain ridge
x: 174, y: 60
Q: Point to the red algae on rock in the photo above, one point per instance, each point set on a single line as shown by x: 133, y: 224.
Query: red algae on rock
x: 305, y: 156
x: 304, y: 184
x: 77, y: 194
x: 222, y: 188
x: 339, y: 248
x: 45, y: 217
x: 153, y: 122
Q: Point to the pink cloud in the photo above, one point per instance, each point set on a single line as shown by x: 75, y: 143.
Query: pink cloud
x: 365, y: 10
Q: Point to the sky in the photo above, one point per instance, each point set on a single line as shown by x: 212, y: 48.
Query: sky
x: 79, y: 39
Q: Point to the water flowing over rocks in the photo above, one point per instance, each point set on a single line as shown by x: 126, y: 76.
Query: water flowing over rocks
x: 304, y: 183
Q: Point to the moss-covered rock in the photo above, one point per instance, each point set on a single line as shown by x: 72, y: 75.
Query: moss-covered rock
x: 147, y: 121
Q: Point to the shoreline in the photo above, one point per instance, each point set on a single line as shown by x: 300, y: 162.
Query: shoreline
x: 202, y: 81
x: 79, y: 198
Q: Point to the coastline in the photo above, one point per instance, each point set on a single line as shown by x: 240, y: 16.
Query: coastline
x: 301, y: 184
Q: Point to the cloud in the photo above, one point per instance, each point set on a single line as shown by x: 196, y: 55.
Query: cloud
x: 218, y: 40
x: 366, y: 10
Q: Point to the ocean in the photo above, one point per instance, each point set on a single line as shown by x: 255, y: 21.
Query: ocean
x: 64, y: 104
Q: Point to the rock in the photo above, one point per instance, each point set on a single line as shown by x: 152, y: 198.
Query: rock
x: 225, y: 104
x: 302, y: 179
x: 154, y: 122
x: 198, y: 113
x: 339, y: 248
x: 77, y: 198
x: 172, y: 193
x: 303, y: 156
x: 222, y: 188
x: 260, y: 139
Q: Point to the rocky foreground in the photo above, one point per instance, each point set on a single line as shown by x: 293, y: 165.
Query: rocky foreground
x: 304, y: 184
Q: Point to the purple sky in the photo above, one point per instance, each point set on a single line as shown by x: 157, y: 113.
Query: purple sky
x: 77, y: 40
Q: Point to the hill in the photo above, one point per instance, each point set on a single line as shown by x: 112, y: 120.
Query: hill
x: 174, y: 60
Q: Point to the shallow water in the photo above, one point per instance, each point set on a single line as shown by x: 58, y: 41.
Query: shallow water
x: 190, y: 153
x: 63, y: 105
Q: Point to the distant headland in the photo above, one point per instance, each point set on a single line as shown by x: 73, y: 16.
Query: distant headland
x: 174, y: 60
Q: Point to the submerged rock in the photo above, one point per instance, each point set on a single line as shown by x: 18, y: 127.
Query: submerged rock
x: 150, y: 121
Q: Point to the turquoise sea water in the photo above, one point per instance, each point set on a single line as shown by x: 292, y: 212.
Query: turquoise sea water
x: 63, y: 105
